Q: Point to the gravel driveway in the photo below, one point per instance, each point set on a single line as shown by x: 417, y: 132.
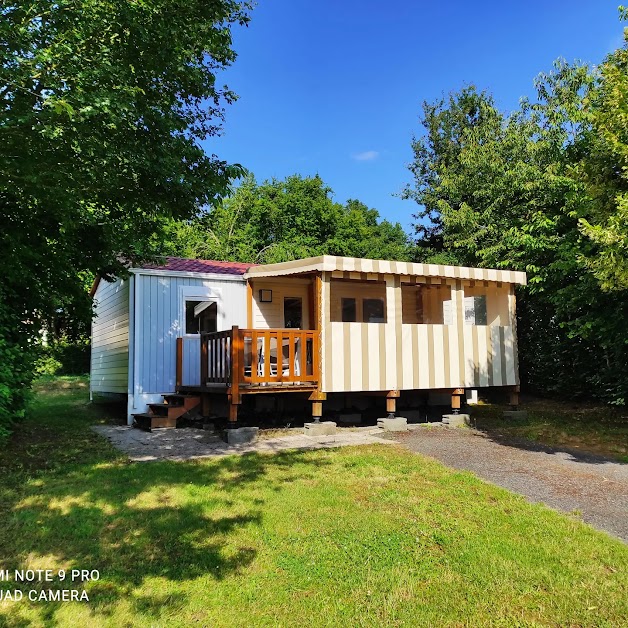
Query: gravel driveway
x: 595, y: 487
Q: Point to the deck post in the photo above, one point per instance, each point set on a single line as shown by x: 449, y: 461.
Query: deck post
x: 179, y: 368
x: 514, y: 397
x: 205, y: 405
x: 233, y: 414
x: 204, y: 359
x: 391, y: 402
x: 237, y: 350
x: 317, y: 398
x: 455, y: 400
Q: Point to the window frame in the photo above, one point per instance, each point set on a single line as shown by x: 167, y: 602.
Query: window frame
x: 196, y: 293
x: 379, y: 300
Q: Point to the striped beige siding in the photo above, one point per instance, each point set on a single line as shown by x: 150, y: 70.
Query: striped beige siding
x: 396, y: 356
x: 367, y: 357
x: 357, y: 266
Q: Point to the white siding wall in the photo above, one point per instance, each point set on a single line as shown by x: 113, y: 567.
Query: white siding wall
x: 270, y: 315
x: 158, y: 324
x: 110, y: 338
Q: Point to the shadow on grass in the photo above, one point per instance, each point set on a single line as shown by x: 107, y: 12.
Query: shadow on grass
x: 132, y: 522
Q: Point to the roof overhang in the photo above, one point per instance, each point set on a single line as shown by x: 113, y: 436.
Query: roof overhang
x: 331, y: 263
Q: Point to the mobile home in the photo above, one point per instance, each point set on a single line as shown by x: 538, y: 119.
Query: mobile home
x: 316, y: 326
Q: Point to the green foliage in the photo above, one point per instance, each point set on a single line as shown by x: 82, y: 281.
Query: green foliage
x: 508, y: 192
x: 103, y: 105
x: 16, y: 373
x: 277, y: 221
x: 606, y: 172
x: 64, y: 357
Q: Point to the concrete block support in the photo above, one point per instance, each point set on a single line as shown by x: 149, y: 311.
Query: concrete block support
x: 456, y: 420
x: 398, y: 424
x: 242, y: 435
x: 515, y: 414
x: 324, y: 428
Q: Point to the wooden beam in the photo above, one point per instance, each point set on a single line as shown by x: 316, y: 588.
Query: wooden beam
x: 317, y: 395
x: 317, y: 410
x: 205, y: 405
x: 393, y: 394
x: 249, y: 304
x: 455, y: 403
x: 233, y: 413
x: 237, y: 351
x: 179, y: 368
x: 204, y: 360
x: 514, y: 398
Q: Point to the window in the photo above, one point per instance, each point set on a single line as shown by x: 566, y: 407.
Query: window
x: 357, y: 302
x: 486, y: 304
x: 292, y: 312
x: 426, y: 304
x: 349, y: 311
x: 373, y: 311
x: 200, y: 316
x: 411, y: 304
x: 475, y: 310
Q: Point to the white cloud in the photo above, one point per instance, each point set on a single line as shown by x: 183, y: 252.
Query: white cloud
x: 367, y: 155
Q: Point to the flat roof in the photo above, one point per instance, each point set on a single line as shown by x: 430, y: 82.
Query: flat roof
x: 359, y: 265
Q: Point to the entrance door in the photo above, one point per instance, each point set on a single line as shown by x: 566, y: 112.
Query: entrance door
x: 293, y: 312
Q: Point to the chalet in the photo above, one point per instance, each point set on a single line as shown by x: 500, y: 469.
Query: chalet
x: 198, y: 331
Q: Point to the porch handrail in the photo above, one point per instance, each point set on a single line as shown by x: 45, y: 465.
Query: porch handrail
x: 259, y: 357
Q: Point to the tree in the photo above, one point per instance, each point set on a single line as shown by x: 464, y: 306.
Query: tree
x: 506, y: 191
x: 277, y: 221
x: 606, y: 172
x: 103, y: 104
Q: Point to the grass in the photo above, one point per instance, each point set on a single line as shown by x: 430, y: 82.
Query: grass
x: 368, y: 536
x: 578, y: 426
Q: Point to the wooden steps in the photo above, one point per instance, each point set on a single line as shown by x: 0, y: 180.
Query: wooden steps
x: 164, y: 415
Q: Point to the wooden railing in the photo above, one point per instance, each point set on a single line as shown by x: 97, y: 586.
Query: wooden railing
x: 256, y: 357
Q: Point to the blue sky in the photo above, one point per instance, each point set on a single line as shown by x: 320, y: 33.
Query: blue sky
x: 335, y: 88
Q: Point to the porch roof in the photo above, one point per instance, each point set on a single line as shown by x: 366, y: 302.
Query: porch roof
x: 358, y: 265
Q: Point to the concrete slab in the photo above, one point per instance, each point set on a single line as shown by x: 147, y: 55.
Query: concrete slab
x: 242, y: 435
x: 324, y: 428
x: 189, y: 443
x: 398, y: 424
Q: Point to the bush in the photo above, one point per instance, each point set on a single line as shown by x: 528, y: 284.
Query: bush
x: 16, y: 370
x: 64, y: 357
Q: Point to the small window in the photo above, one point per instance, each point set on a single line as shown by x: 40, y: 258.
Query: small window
x: 411, y: 304
x: 293, y: 312
x: 475, y: 310
x: 349, y: 311
x: 373, y: 311
x: 200, y: 316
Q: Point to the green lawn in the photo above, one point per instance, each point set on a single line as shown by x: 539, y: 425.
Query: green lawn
x: 369, y: 536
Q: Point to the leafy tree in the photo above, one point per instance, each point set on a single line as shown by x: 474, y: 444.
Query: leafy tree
x: 505, y: 191
x: 102, y: 108
x: 606, y: 171
x: 283, y: 220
